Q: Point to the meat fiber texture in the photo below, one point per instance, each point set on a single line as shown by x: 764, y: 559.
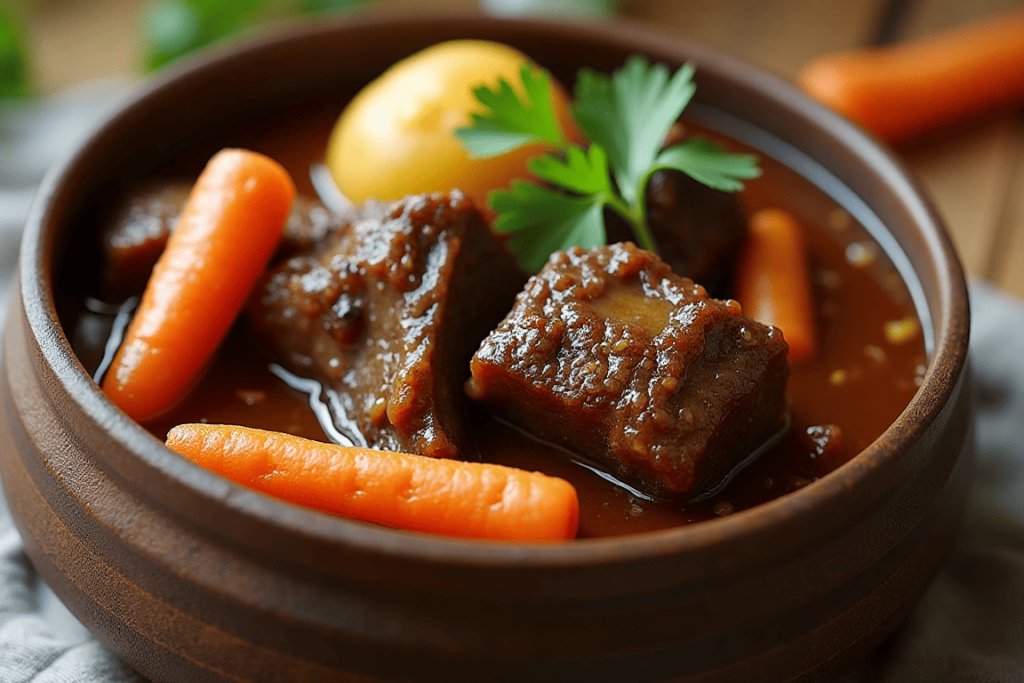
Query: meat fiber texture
x: 386, y: 312
x: 611, y: 355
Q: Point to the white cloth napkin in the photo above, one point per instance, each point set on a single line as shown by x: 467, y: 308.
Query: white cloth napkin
x: 968, y: 628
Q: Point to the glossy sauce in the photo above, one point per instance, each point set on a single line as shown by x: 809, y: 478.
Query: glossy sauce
x: 855, y: 387
x: 629, y: 304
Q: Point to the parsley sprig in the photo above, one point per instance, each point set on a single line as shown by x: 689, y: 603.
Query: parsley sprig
x: 626, y: 117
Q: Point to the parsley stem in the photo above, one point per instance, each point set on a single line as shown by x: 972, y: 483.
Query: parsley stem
x: 641, y: 228
x: 636, y: 216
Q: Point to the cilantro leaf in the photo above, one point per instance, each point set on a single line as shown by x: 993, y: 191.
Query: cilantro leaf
x: 629, y: 114
x: 543, y: 221
x: 509, y: 122
x: 708, y: 163
x: 584, y: 172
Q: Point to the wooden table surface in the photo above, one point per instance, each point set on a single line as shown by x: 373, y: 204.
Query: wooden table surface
x: 975, y: 174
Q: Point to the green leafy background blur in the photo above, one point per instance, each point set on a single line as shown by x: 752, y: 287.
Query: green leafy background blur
x: 169, y: 29
x: 13, y: 67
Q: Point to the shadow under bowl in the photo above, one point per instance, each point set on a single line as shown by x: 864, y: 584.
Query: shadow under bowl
x: 189, y: 577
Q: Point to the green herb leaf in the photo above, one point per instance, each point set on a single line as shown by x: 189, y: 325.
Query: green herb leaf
x: 629, y: 114
x: 583, y: 172
x: 544, y: 221
x: 626, y: 115
x: 708, y: 163
x: 509, y: 122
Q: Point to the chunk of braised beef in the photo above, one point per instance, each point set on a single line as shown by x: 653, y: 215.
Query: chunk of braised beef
x: 309, y: 222
x: 611, y: 355
x: 138, y: 229
x: 387, y: 312
x: 136, y: 234
x: 698, y: 229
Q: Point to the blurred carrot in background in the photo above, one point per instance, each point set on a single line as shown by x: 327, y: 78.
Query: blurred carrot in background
x: 908, y: 90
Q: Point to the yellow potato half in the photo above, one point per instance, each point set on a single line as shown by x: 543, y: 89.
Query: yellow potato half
x: 397, y: 136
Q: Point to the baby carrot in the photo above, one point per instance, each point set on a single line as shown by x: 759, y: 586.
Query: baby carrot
x: 415, y: 492
x: 772, y: 282
x: 225, y: 236
x: 914, y: 88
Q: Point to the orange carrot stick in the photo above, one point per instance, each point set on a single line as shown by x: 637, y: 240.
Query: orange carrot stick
x: 773, y: 284
x: 914, y: 88
x: 468, y: 499
x: 224, y: 238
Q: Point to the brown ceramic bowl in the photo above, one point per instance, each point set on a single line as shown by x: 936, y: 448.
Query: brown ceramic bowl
x: 189, y: 578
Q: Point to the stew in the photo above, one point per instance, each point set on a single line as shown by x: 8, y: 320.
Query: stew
x: 869, y: 358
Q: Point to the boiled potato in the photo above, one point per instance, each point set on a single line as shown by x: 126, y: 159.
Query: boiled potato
x: 397, y: 137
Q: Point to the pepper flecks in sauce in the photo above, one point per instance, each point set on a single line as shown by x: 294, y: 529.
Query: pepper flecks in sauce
x: 831, y: 421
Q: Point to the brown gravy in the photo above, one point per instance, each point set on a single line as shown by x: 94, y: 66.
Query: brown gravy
x: 856, y: 386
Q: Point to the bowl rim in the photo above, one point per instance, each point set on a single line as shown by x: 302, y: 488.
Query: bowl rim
x: 941, y: 381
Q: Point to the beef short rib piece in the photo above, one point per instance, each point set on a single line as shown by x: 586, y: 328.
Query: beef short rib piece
x: 611, y: 355
x: 698, y: 229
x: 387, y: 312
x: 137, y: 232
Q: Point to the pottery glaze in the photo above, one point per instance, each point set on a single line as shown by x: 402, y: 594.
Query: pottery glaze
x: 187, y: 576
